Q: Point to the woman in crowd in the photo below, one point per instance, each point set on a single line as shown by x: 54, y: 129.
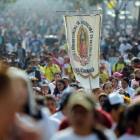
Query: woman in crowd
x: 52, y: 85
x: 67, y: 81
x: 105, y: 64
x: 111, y: 54
x: 51, y: 103
x: 102, y: 98
x: 25, y: 107
x: 108, y: 88
x: 31, y: 119
x: 60, y: 86
x: 125, y: 87
x: 135, y: 82
x: 45, y: 89
x: 114, y: 82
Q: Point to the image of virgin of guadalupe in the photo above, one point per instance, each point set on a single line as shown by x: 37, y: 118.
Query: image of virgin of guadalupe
x: 83, y: 50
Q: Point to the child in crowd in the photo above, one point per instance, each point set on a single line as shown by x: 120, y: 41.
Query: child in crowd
x: 97, y: 92
x: 114, y: 82
x: 103, y: 75
x: 51, y: 103
x: 108, y: 88
x: 45, y: 89
x: 119, y: 77
x: 102, y: 98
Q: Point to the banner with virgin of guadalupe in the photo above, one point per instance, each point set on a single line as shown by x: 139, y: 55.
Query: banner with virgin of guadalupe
x: 83, y: 39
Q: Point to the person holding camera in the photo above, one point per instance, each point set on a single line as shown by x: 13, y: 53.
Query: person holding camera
x: 33, y: 72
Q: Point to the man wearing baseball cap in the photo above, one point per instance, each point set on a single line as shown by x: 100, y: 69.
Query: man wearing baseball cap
x: 82, y: 117
x: 128, y: 69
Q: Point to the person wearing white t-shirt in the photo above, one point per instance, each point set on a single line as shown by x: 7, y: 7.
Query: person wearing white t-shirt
x: 81, y: 108
x: 65, y: 66
x: 60, y: 114
x: 52, y: 85
x: 105, y: 64
x: 125, y: 86
x: 123, y: 47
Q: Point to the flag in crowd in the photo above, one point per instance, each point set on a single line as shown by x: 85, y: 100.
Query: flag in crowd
x: 78, y: 85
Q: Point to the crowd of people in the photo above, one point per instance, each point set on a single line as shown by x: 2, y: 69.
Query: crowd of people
x: 46, y: 102
x: 41, y: 99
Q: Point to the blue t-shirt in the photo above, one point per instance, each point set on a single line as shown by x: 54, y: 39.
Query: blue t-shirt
x: 35, y: 45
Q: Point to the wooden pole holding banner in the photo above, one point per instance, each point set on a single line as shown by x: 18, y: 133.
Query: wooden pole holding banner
x: 79, y: 11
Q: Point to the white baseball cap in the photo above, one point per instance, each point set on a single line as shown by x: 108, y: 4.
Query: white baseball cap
x: 115, y: 98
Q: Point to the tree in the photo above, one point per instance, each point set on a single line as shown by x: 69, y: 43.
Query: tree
x: 117, y: 9
x: 94, y: 2
x: 3, y: 3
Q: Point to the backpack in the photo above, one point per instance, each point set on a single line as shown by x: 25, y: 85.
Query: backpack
x: 51, y: 70
x: 116, y: 65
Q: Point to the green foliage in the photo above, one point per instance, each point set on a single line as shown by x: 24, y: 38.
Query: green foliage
x: 8, y: 1
x: 94, y: 2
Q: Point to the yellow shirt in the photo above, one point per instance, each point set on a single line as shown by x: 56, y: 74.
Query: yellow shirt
x: 119, y: 67
x: 70, y: 71
x: 49, y: 71
x: 104, y: 76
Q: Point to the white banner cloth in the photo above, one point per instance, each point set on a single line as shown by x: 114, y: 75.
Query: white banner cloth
x: 83, y: 39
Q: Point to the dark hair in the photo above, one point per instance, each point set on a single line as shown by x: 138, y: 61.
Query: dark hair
x: 128, y: 50
x: 130, y: 54
x: 108, y: 107
x: 95, y: 90
x: 114, y: 78
x: 126, y: 94
x: 131, y: 75
x: 102, y: 95
x: 4, y: 83
x: 136, y: 60
x: 31, y: 61
x: 64, y: 100
x: 34, y: 79
x: 57, y: 73
x: 50, y: 97
x: 66, y: 78
x: 107, y: 83
x: 103, y: 56
x: 126, y: 80
x: 47, y: 58
x: 132, y: 115
x: 56, y: 91
x: 74, y: 85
